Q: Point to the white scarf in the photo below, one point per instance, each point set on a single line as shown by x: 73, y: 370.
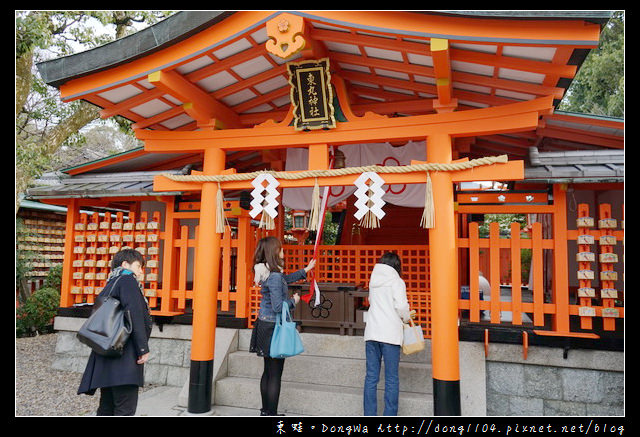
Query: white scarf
x: 260, y: 273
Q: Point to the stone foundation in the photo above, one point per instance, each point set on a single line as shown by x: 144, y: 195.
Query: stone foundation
x: 586, y: 383
x: 168, y: 364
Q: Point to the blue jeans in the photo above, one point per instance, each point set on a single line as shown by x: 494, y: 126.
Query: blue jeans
x: 375, y: 352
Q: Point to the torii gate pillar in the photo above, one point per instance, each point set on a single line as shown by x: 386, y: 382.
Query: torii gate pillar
x: 205, y: 292
x: 443, y: 270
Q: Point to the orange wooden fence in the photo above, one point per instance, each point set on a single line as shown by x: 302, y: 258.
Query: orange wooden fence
x: 180, y: 291
x: 520, y: 305
x: 535, y: 304
x: 94, y: 240
x: 353, y: 264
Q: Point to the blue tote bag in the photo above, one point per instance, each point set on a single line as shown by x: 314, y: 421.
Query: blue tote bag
x: 286, y: 341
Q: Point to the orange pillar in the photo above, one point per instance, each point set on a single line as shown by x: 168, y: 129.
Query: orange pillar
x: 169, y: 275
x: 243, y: 269
x: 205, y: 290
x: 560, y: 259
x: 73, y: 216
x: 443, y: 271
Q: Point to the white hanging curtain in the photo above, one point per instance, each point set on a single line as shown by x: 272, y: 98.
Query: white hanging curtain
x: 356, y: 155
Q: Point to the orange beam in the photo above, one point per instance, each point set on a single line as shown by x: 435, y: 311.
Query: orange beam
x: 582, y: 137
x: 420, y: 106
x: 492, y: 197
x: 558, y: 70
x: 134, y: 101
x: 476, y: 79
x: 197, y: 103
x: 507, y: 118
x: 107, y: 161
x: 566, y: 334
x: 442, y: 74
x: 345, y: 133
x: 520, y: 32
x: 512, y: 170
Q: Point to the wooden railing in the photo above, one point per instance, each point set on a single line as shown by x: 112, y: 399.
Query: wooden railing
x: 353, y: 264
x: 548, y: 295
x: 532, y: 304
x: 233, y: 276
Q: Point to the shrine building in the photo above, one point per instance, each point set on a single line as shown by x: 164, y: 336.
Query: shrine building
x: 414, y: 130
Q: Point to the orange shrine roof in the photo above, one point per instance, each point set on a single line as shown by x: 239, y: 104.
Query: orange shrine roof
x: 391, y: 63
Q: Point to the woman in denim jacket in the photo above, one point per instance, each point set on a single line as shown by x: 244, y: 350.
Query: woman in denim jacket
x: 268, y: 266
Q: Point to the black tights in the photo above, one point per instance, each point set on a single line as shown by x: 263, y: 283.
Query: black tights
x: 270, y: 384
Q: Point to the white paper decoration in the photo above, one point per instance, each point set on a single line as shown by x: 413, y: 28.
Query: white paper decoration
x: 366, y: 203
x: 271, y: 206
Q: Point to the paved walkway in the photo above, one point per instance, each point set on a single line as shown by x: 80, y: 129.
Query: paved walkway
x: 163, y: 401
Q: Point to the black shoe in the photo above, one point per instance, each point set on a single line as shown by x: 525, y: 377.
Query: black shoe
x: 264, y: 412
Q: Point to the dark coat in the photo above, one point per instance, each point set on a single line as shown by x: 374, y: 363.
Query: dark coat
x: 107, y: 371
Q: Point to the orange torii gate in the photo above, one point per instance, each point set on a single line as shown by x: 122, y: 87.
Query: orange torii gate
x: 438, y: 129
x: 122, y: 83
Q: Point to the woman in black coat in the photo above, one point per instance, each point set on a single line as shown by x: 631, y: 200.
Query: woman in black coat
x: 120, y: 377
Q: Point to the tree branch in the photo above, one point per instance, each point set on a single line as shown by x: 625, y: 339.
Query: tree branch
x: 85, y: 113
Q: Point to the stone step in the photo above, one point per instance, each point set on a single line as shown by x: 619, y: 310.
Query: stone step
x: 342, y: 346
x: 336, y: 371
x: 313, y: 399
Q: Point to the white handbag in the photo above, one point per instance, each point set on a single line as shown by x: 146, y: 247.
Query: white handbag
x: 413, y: 339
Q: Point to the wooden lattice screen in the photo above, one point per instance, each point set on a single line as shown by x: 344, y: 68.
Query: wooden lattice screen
x: 96, y: 239
x: 353, y: 264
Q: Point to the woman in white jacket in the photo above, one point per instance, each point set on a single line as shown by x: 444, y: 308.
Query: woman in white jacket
x: 388, y: 309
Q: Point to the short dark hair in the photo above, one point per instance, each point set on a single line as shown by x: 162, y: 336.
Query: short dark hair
x: 391, y: 259
x: 128, y: 255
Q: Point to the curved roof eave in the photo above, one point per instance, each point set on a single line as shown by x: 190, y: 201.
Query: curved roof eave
x: 171, y: 30
x: 184, y: 24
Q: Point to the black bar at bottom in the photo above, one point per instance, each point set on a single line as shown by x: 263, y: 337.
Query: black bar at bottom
x: 446, y: 398
x: 200, y: 378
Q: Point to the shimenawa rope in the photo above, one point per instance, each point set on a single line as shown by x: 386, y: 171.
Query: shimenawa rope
x: 427, y: 220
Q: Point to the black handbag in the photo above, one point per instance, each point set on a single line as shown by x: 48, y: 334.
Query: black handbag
x: 108, y: 328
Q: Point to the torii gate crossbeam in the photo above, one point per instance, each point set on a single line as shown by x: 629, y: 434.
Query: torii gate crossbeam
x: 438, y: 130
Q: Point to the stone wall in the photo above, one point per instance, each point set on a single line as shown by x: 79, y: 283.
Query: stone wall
x: 168, y: 364
x: 586, y: 383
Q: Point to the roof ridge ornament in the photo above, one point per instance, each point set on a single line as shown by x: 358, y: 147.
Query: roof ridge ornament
x: 285, y: 34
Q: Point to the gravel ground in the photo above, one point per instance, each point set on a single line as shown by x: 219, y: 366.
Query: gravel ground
x: 44, y: 391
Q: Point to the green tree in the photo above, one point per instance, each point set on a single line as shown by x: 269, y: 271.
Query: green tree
x: 598, y: 88
x: 43, y: 123
x: 504, y: 220
x: 37, y: 312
